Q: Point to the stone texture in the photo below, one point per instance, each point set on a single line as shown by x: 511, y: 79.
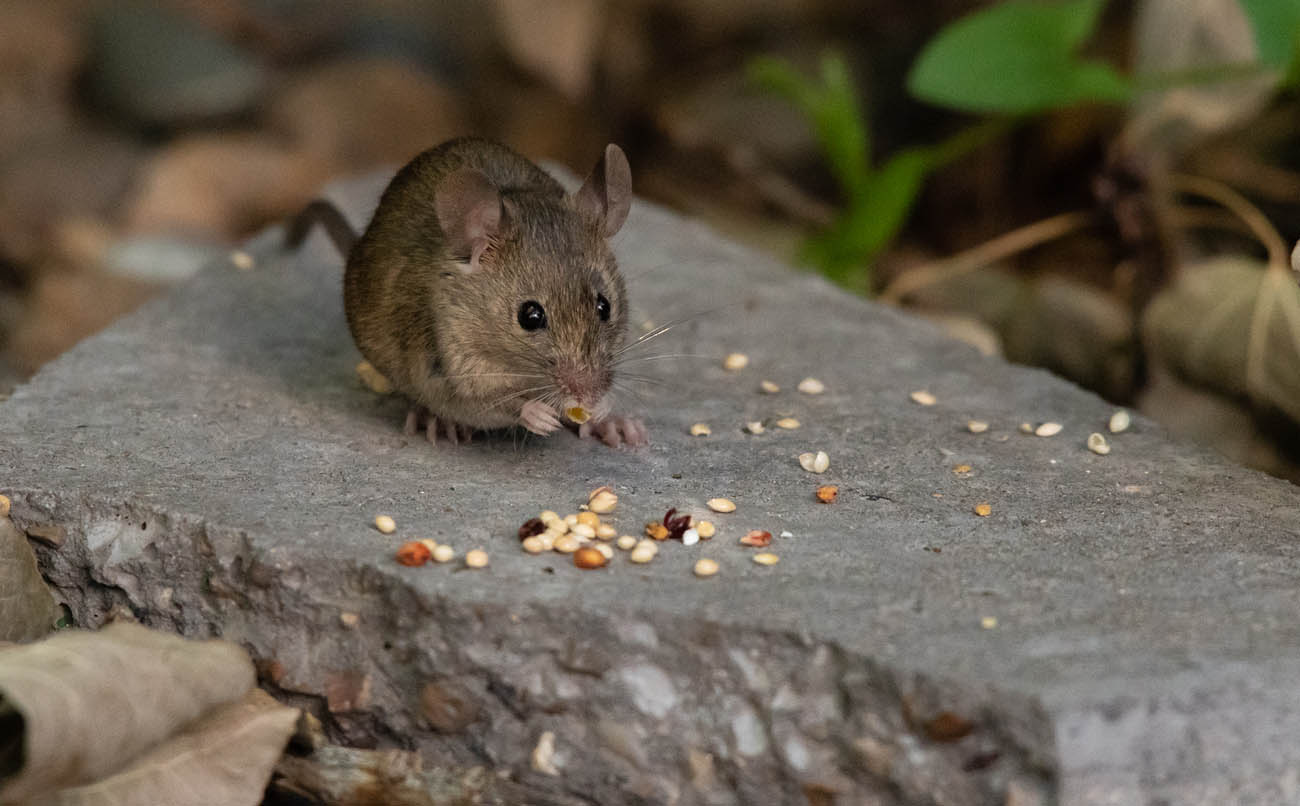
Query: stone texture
x: 217, y: 465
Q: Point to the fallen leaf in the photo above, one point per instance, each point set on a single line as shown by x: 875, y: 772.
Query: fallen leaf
x: 27, y: 609
x: 86, y: 703
x: 224, y: 758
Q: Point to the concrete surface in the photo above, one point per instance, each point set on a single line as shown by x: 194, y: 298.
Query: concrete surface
x: 216, y: 466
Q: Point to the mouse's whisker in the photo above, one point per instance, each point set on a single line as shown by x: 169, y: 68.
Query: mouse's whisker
x: 626, y: 390
x: 638, y: 359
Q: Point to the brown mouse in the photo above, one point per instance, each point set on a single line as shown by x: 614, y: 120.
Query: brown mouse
x: 488, y: 296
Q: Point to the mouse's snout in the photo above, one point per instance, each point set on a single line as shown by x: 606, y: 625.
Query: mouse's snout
x: 585, y: 389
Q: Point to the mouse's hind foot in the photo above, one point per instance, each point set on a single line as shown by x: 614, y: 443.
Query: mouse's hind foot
x: 419, y: 418
x: 617, y: 431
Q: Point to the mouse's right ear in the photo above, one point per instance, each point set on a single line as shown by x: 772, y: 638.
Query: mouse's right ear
x: 469, y: 212
x: 606, y: 196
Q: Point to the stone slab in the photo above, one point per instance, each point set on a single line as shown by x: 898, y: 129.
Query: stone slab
x: 216, y: 466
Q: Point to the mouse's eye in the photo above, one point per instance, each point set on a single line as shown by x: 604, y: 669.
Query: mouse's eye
x: 531, y: 315
x: 602, y: 307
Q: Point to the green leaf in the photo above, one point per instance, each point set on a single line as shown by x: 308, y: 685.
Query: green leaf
x: 1277, y: 31
x: 1017, y: 58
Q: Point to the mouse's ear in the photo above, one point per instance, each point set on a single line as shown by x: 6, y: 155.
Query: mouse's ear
x: 469, y: 212
x: 606, y: 196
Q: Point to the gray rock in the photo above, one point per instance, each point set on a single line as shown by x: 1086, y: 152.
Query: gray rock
x: 217, y: 466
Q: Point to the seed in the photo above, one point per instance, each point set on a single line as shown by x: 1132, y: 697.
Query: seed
x: 983, y: 510
x: 721, y: 505
x: 788, y: 423
x: 768, y: 387
x: 704, y: 567
x: 1027, y: 428
x: 547, y: 516
x: 1120, y: 421
x: 583, y: 532
x: 241, y: 260
x: 787, y: 533
x: 606, y: 531
x: 588, y: 519
x: 690, y: 537
x: 735, y: 361
x: 756, y: 538
x: 755, y: 427
x: 643, y: 552
x: 626, y: 542
x: 413, y: 553
x: 547, y: 539
x: 605, y: 550
x: 533, y: 545
x: 567, y: 544
x: 1048, y: 429
x: 701, y: 430
x: 531, y: 528
x: 559, y: 526
x: 923, y: 398
x: 706, y: 529
x: 602, y: 501
x: 543, y: 754
x: 766, y: 558
x: 476, y: 558
x: 444, y: 553
x: 977, y: 426
x: 656, y: 530
x: 1098, y: 444
x: 373, y: 379
x: 589, y: 557
x: 571, y: 520
x: 385, y: 524
x: 4, y: 506
x: 811, y: 386
x: 429, y: 544
x: 961, y: 470
x: 989, y: 622
x: 577, y: 414
x: 349, y: 619
x: 827, y: 492
x: 815, y: 462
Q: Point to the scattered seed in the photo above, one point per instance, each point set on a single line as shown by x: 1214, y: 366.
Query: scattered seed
x: 1120, y: 421
x: 577, y: 414
x: 429, y: 544
x: 924, y: 398
x: 706, y: 529
x: 606, y: 531
x: 766, y: 558
x: 690, y: 537
x: 533, y: 545
x: 567, y: 544
x: 704, y: 567
x: 961, y: 470
x: 588, y: 557
x: 385, y: 524
x: 644, y: 551
x: 548, y: 539
x: 1027, y: 428
x: 787, y: 534
x: 755, y: 427
x: 588, y: 519
x: 444, y: 553
x: 989, y: 622
x: 983, y: 510
x: 476, y: 558
x: 571, y: 519
x: 531, y: 528
x: 788, y: 423
x: 413, y: 553
x: 605, y: 550
x: 543, y: 754
x: 602, y: 500
x: 548, y: 516
x: 701, y: 430
x: 349, y: 619
x: 559, y: 526
x: 977, y: 426
x: 626, y: 542
x: 241, y: 260
x: 735, y: 361
x: 1048, y: 430
x: 4, y: 506
x: 373, y: 379
x: 811, y: 386
x: 768, y: 387
x: 1098, y: 444
x: 721, y: 505
x: 827, y: 493
x: 815, y: 462
x: 757, y: 538
x: 583, y: 532
x: 656, y: 530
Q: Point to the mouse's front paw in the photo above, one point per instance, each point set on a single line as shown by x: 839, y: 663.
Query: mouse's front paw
x: 539, y: 418
x: 616, y: 431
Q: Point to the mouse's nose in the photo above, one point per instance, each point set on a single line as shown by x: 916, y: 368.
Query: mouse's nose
x: 584, y: 385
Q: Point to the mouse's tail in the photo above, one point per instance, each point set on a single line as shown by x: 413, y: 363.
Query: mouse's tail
x: 330, y: 218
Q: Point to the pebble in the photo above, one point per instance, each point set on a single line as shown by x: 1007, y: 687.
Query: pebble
x: 444, y: 553
x: 768, y: 387
x: 476, y: 558
x: 704, y: 567
x: 385, y: 524
x: 735, y: 361
x: 811, y: 386
x: 701, y: 430
x: 1098, y: 444
x: 1048, y: 430
x: 721, y: 505
x: 1120, y: 421
x: 924, y: 398
x: 626, y: 542
x: 766, y: 558
x: 690, y: 537
x: 815, y: 462
x: 977, y: 426
x: 788, y: 423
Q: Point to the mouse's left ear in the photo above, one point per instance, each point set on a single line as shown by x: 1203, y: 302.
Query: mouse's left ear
x: 606, y: 196
x: 469, y: 212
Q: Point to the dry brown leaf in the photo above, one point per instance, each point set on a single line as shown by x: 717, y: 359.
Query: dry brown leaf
x: 223, y: 759
x: 27, y: 609
x: 91, y: 701
x: 1232, y: 325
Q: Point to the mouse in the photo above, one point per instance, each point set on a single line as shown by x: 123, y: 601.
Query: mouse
x: 487, y: 295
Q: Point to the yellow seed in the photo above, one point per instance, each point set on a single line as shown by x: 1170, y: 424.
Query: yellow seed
x: 626, y: 542
x: 721, y: 505
x: 701, y: 430
x: 989, y: 622
x: 961, y: 470
x: 606, y: 531
x: 533, y: 545
x: 431, y: 545
x: 643, y: 552
x: 768, y: 387
x: 385, y: 524
x: 349, y: 619
x: 756, y: 427
x: 704, y: 567
x: 4, y: 506
x: 241, y: 260
x: 546, y: 516
x: 1048, y: 429
x: 571, y: 519
x: 735, y: 361
x: 373, y: 379
x: 578, y: 414
x: 589, y: 519
x: 1098, y: 444
x: 706, y: 529
x: 977, y: 426
x: 923, y: 398
x: 476, y: 558
x: 583, y: 532
x: 444, y: 553
x: 811, y: 386
x: 567, y: 544
x: 602, y: 501
x: 983, y: 510
x: 559, y: 526
x: 766, y: 558
x: 788, y: 423
x: 1119, y: 421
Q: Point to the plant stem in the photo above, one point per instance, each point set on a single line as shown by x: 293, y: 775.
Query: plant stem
x: 1250, y: 215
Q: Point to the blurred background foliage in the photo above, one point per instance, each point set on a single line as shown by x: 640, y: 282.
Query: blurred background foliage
x: 1104, y: 189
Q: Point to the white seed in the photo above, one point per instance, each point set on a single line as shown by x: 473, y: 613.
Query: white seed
x: 602, y: 501
x: 811, y: 386
x: 559, y: 526
x: 704, y: 567
x: 788, y: 423
x: 1098, y: 444
x: 606, y: 531
x: 348, y: 619
x: 815, y: 462
x: 547, y: 516
x: 533, y: 545
x: 543, y: 756
x: 385, y: 524
x: 241, y: 260
x: 735, y: 361
x: 626, y: 542
x: 1048, y: 429
x: 721, y: 505
x: 787, y: 534
x: 476, y: 558
x: 706, y: 529
x: 923, y: 398
x: 571, y: 520
x: 444, y: 553
x: 583, y: 532
x: 690, y: 537
x: 768, y: 387
x: 605, y: 550
x: 701, y: 430
x: 429, y: 544
x: 977, y: 426
x: 756, y: 427
x: 644, y: 551
x: 766, y: 558
x: 567, y: 544
x: 1027, y: 428
x: 373, y: 379
x: 1120, y: 421
x: 989, y: 622
x: 548, y: 539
